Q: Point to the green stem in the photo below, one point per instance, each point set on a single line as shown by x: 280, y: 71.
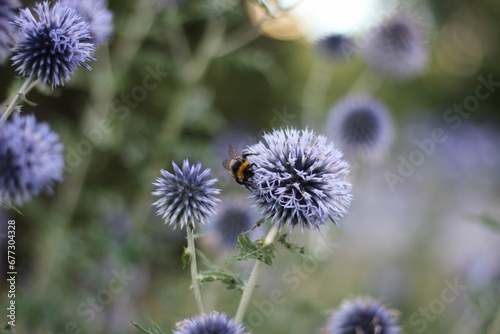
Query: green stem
x: 194, y: 269
x: 365, y: 83
x: 315, y: 92
x: 25, y: 88
x: 495, y: 326
x: 252, y: 281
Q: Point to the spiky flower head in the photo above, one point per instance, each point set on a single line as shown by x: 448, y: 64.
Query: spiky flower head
x: 186, y: 196
x: 336, y: 46
x: 361, y: 126
x: 235, y: 215
x: 8, y: 9
x: 398, y: 47
x: 300, y: 179
x: 31, y: 159
x: 212, y: 323
x: 49, y: 48
x: 97, y: 16
x: 363, y: 315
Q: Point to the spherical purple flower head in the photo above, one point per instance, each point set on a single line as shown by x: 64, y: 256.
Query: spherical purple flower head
x: 300, y: 179
x: 234, y: 217
x: 8, y: 9
x: 97, y: 16
x: 31, y: 159
x: 361, y: 126
x: 336, y: 46
x: 186, y: 196
x: 213, y: 323
x: 363, y: 315
x: 397, y: 47
x: 51, y: 47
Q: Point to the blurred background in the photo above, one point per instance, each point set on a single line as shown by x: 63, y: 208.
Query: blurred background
x: 184, y: 79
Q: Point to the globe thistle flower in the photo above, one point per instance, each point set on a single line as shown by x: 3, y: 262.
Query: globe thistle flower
x: 31, y: 159
x: 96, y: 15
x: 8, y: 9
x: 186, y: 196
x: 300, y: 179
x: 213, y: 323
x: 51, y: 47
x: 235, y: 216
x: 361, y: 126
x: 397, y: 48
x: 363, y: 315
x: 336, y: 46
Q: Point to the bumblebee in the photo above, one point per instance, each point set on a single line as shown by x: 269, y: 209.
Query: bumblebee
x: 239, y: 168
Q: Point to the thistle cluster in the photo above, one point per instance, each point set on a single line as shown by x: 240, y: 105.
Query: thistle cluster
x: 361, y: 126
x: 363, y: 315
x: 300, y: 179
x: 49, y: 42
x: 52, y: 41
x: 31, y: 159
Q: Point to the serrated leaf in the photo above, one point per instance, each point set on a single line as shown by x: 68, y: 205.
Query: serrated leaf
x: 12, y: 207
x: 155, y: 330
x: 224, y: 276
x: 285, y: 241
x: 253, y: 250
x: 186, y: 258
x: 490, y: 222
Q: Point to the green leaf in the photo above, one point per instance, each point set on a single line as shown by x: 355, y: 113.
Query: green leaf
x: 186, y: 258
x: 12, y: 207
x: 155, y: 330
x: 285, y: 241
x: 490, y: 222
x: 253, y: 250
x: 224, y: 276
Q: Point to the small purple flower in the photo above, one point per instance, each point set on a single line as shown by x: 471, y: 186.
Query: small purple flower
x: 97, y: 16
x: 50, y: 48
x: 31, y: 159
x: 213, y: 323
x: 300, y: 179
x: 8, y: 9
x: 235, y: 216
x: 363, y: 315
x: 186, y: 196
x: 336, y: 46
x: 361, y: 126
x: 398, y: 47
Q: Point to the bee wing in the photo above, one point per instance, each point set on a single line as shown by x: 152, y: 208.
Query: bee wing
x: 226, y: 163
x: 232, y: 153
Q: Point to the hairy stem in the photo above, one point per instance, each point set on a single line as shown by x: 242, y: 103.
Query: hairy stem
x: 194, y: 269
x: 252, y: 281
